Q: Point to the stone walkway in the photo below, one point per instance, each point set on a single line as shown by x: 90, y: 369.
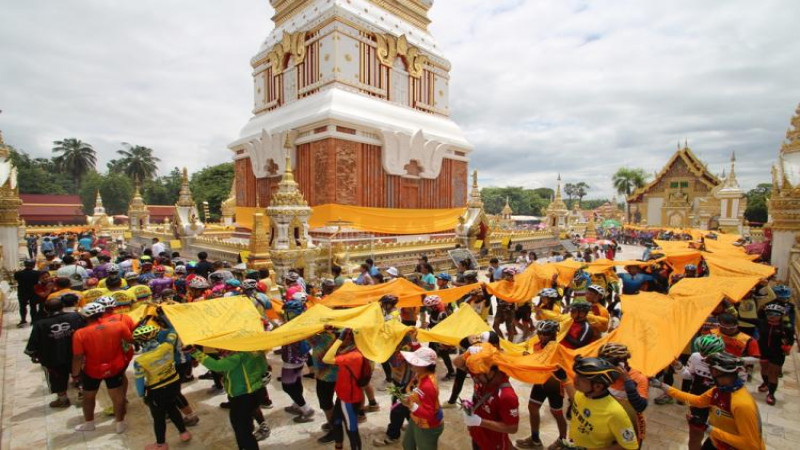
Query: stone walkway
x: 28, y: 423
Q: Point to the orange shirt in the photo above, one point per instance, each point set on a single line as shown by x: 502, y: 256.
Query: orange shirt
x: 740, y: 344
x: 101, y: 345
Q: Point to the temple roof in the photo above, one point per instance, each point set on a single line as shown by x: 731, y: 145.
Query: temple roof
x: 48, y: 209
x: 696, y: 167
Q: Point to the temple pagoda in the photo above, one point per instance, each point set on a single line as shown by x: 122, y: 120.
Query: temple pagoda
x: 364, y: 87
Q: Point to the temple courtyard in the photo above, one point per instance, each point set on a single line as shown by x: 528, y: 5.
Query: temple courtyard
x: 28, y: 422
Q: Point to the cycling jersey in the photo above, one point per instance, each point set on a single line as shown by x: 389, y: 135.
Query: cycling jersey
x: 156, y: 367
x: 739, y: 344
x: 599, y: 422
x: 734, y: 417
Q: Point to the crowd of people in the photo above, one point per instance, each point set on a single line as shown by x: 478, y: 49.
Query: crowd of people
x: 79, y: 298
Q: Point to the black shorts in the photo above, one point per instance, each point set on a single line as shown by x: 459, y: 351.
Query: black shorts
x: 698, y: 416
x: 774, y: 357
x: 58, y: 377
x: 325, y: 391
x: 504, y: 312
x: 550, y: 390
x: 112, y: 382
x: 524, y: 312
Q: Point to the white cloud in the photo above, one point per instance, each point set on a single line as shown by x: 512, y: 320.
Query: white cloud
x: 540, y: 87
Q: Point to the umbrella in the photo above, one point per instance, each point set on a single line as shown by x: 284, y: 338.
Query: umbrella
x: 588, y: 240
x: 611, y: 223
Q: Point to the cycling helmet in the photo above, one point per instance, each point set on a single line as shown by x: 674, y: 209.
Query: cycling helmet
x: 389, y: 298
x: 107, y: 301
x: 249, y: 285
x: 199, y: 283
x: 547, y: 327
x: 292, y: 276
x: 782, y: 291
x: 93, y: 309
x: 293, y: 308
x: 215, y: 277
x: 580, y: 306
x: 191, y: 265
x: 597, y: 288
x: 614, y: 352
x: 444, y: 276
x: 160, y: 269
x: 145, y: 333
x: 774, y: 309
x: 709, y: 344
x: 147, y: 265
x: 131, y: 275
x: 233, y: 283
x: 327, y: 282
x: 300, y: 297
x: 113, y: 268
x: 548, y: 293
x: 725, y: 362
x: 432, y: 300
x: 262, y: 287
x: 509, y: 271
x: 597, y: 370
x: 180, y: 269
x: 690, y: 268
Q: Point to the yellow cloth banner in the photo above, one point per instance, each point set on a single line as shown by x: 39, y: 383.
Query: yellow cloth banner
x: 727, y: 266
x: 388, y: 220
x: 735, y: 288
x: 351, y: 294
x: 244, y: 216
x: 225, y: 318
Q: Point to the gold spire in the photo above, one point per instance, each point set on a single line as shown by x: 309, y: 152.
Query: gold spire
x: 507, y: 211
x: 792, y: 142
x: 288, y: 193
x: 185, y: 195
x: 558, y: 203
x: 475, y: 200
x: 137, y: 202
x: 98, y: 201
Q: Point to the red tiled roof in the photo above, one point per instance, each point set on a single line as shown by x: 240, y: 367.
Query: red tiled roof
x: 45, y: 209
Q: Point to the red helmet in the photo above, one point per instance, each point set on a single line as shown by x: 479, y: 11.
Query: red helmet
x: 160, y: 269
x: 261, y: 287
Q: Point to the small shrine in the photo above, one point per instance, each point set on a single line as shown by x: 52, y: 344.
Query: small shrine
x: 186, y: 221
x: 557, y: 211
x: 138, y: 213
x: 99, y: 218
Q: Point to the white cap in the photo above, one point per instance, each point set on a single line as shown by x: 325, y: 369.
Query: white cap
x: 393, y: 271
x: 422, y: 357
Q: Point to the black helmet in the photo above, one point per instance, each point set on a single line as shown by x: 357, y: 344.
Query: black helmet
x: 389, y: 298
x: 580, y: 306
x: 597, y: 370
x: 547, y: 327
x: 725, y: 362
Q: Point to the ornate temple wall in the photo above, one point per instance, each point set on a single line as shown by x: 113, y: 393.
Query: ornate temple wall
x: 339, y: 171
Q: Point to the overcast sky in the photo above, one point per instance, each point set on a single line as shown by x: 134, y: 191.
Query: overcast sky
x: 540, y: 87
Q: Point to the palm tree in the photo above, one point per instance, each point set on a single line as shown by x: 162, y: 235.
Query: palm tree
x: 138, y: 162
x: 581, y: 189
x: 75, y: 157
x: 626, y: 181
x: 570, y: 189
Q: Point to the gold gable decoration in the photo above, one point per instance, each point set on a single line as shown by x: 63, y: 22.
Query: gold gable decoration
x: 292, y: 44
x: 693, y: 163
x: 390, y: 47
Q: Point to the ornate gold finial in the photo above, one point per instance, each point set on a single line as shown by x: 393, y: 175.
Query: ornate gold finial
x: 98, y: 201
x: 185, y: 195
x: 137, y: 202
x: 288, y: 193
x: 475, y: 200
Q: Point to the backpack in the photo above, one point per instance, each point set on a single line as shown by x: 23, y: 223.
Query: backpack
x: 364, y: 374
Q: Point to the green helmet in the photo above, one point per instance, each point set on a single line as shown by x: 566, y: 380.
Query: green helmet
x: 709, y: 344
x: 145, y: 333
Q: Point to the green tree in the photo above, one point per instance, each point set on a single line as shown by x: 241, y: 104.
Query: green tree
x: 571, y: 190
x: 74, y: 157
x: 524, y: 202
x: 116, y: 190
x: 163, y: 190
x: 626, y: 180
x: 581, y: 189
x: 138, y: 162
x: 38, y: 176
x: 757, y: 203
x: 212, y: 184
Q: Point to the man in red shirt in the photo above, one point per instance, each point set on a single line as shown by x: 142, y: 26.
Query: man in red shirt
x: 493, y: 413
x: 98, y: 348
x: 580, y: 333
x: 349, y: 394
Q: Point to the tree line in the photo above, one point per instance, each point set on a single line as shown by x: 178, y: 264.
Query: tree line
x: 72, y: 169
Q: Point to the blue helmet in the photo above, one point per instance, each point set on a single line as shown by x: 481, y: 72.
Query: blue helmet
x: 444, y: 276
x: 782, y: 291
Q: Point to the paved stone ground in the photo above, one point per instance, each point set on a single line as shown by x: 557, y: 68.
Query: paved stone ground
x: 28, y: 423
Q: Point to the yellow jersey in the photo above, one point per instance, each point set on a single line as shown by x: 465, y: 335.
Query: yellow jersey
x: 600, y: 422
